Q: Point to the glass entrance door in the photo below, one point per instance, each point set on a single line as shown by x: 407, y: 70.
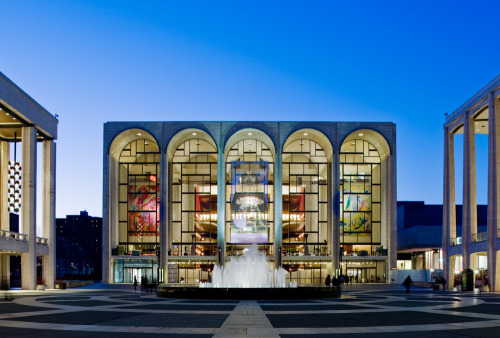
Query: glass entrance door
x: 362, y: 275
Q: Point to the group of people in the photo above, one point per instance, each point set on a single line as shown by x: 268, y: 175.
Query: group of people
x: 144, y: 284
x: 341, y: 280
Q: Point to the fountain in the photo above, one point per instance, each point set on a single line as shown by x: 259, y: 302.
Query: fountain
x: 248, y: 277
x: 248, y: 271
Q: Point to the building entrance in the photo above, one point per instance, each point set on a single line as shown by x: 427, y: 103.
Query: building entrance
x: 363, y: 275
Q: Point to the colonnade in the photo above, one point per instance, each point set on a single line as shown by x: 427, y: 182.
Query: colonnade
x: 472, y: 243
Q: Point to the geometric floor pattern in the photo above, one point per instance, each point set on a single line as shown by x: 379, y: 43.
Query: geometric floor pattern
x: 362, y: 311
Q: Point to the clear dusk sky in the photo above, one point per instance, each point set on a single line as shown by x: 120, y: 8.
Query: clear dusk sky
x: 407, y: 62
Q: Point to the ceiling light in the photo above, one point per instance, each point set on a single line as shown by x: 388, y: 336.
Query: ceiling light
x: 139, y: 134
x: 360, y: 134
x: 305, y: 134
x: 249, y: 134
x: 194, y: 134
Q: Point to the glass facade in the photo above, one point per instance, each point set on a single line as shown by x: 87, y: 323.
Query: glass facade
x: 360, y: 206
x: 139, y: 208
x: 194, y: 199
x: 194, y: 172
x: 249, y: 180
x: 305, y: 209
x: 305, y: 199
x: 359, y: 198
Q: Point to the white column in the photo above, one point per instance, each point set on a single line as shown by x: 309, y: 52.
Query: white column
x: 4, y: 185
x: 493, y: 188
x: 49, y: 211
x: 392, y: 212
x: 469, y: 210
x: 4, y: 271
x: 334, y: 210
x: 278, y: 203
x: 28, y: 207
x: 449, y: 222
x: 106, y: 216
x: 221, y: 200
x: 164, y: 215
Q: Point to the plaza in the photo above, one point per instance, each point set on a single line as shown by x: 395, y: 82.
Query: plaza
x: 116, y: 310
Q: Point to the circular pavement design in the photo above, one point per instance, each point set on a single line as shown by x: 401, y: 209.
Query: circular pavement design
x: 360, y: 312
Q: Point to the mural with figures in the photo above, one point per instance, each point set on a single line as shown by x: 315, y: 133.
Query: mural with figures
x: 143, y: 212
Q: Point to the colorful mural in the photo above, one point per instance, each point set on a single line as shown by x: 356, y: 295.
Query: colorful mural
x: 356, y: 222
x: 143, y: 212
x: 354, y: 202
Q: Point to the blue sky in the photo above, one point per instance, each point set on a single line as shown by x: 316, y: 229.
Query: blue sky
x: 406, y: 62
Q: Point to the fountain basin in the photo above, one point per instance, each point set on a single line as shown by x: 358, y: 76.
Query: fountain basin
x: 188, y: 291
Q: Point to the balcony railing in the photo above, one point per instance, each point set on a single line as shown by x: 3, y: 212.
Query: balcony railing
x: 13, y: 235
x: 479, y: 237
x: 455, y: 241
x: 41, y: 240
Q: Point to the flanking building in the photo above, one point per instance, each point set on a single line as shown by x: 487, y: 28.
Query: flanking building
x: 473, y: 249
x: 23, y: 121
x: 317, y: 198
x: 79, y: 247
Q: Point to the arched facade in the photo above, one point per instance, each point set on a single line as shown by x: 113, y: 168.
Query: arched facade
x: 307, y: 202
x: 223, y: 186
x: 192, y: 207
x: 135, y: 162
x: 249, y: 170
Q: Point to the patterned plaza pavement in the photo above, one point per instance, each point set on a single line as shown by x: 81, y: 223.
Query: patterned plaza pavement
x: 367, y: 310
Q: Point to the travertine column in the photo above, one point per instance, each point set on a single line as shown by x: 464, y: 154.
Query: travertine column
x: 49, y: 211
x: 493, y: 188
x: 164, y: 202
x: 28, y: 207
x: 4, y: 185
x: 4, y: 271
x: 334, y: 209
x: 449, y: 218
x: 105, y: 218
x: 221, y: 200
x: 469, y: 200
x: 278, y: 203
x: 393, y: 198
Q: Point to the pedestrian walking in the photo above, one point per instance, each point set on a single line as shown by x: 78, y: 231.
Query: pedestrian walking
x: 407, y: 282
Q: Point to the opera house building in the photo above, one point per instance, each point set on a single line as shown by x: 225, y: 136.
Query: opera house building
x: 318, y: 198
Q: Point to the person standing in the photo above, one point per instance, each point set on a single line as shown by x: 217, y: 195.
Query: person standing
x: 328, y: 281
x: 407, y: 282
x: 135, y: 283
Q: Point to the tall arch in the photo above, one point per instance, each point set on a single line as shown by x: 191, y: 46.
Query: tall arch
x: 366, y: 224
x: 250, y: 166
x: 192, y: 199
x: 307, y: 200
x: 134, y: 208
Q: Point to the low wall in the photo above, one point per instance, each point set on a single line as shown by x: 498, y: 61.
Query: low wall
x: 415, y: 275
x: 72, y: 283
x: 195, y: 292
